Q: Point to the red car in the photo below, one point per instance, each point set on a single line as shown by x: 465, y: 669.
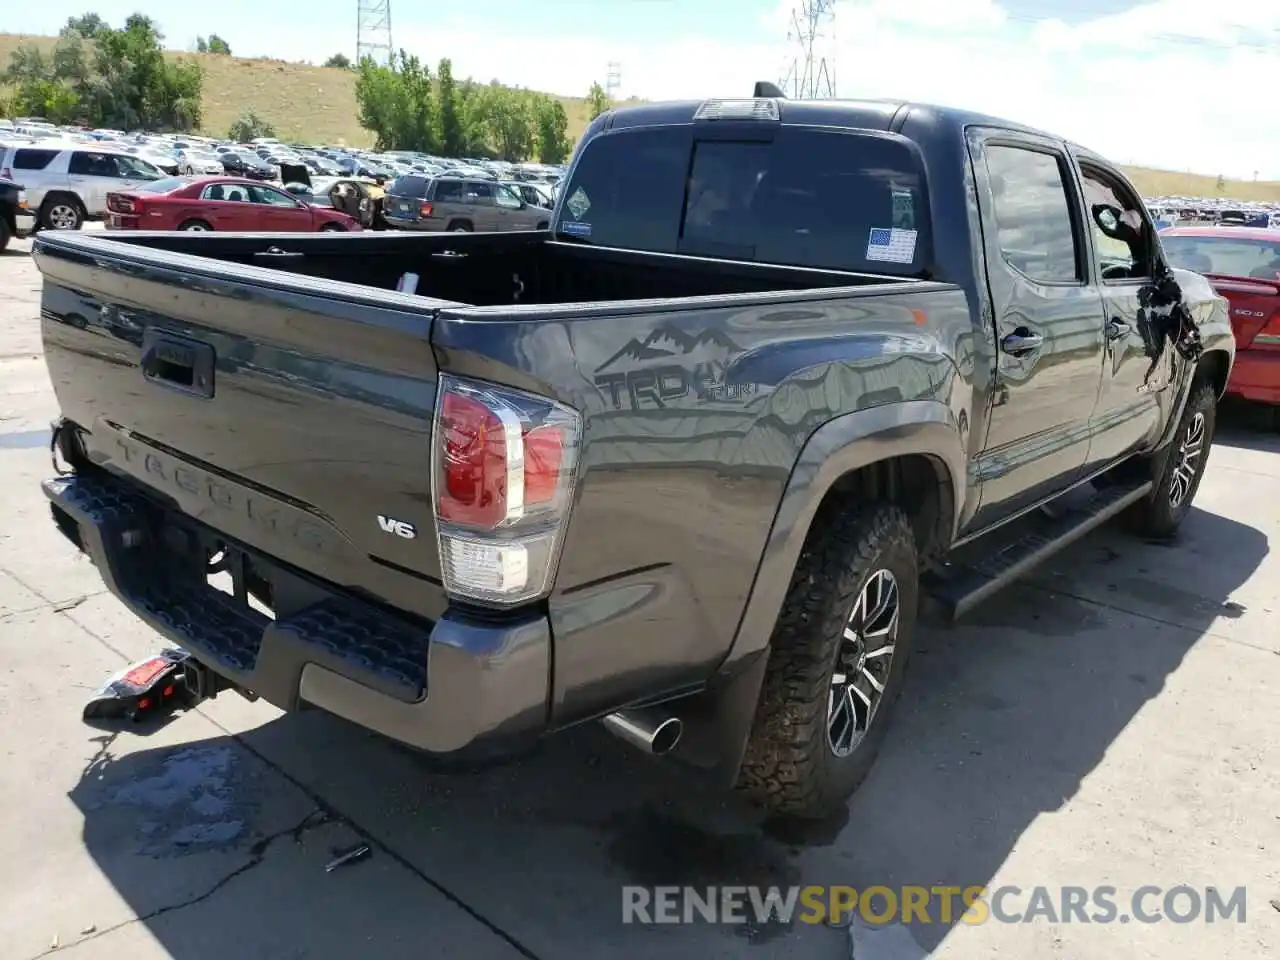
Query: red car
x: 1243, y: 264
x: 218, y: 203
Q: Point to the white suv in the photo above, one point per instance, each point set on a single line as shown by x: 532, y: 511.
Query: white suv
x: 67, y: 184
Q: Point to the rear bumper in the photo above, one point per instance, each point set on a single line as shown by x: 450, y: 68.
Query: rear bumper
x: 424, y: 226
x: 443, y: 687
x: 1256, y: 376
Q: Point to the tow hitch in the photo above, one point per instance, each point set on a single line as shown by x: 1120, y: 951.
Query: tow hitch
x: 166, y: 681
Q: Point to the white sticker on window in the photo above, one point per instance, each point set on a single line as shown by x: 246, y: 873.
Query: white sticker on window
x: 891, y: 245
x: 578, y: 204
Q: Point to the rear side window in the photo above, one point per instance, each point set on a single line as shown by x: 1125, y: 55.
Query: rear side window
x: 449, y: 190
x: 1033, y: 214
x: 29, y: 159
x: 841, y: 200
x: 409, y: 187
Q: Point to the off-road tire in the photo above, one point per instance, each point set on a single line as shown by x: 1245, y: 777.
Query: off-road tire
x: 1155, y: 516
x: 789, y: 767
x: 5, y: 234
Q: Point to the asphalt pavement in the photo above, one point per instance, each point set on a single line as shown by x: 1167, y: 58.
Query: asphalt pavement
x: 1112, y: 720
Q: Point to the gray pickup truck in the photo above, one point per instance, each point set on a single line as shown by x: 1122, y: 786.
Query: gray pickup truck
x: 688, y: 463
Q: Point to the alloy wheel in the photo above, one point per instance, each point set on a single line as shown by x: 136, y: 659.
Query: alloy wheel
x: 62, y: 216
x: 863, y: 663
x: 1189, y: 453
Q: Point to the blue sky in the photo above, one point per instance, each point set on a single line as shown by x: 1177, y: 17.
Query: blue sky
x: 1168, y: 83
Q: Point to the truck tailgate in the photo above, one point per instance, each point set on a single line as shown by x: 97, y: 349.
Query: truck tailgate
x: 290, y: 414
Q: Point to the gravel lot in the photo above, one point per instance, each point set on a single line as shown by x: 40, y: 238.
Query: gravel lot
x: 1110, y: 721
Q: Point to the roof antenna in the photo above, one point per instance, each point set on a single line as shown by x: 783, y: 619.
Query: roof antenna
x: 766, y: 89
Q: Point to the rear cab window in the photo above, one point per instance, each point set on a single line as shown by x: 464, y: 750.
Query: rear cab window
x: 836, y: 199
x: 1243, y: 257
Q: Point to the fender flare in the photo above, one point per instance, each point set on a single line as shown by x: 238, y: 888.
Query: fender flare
x: 722, y: 716
x: 839, y: 447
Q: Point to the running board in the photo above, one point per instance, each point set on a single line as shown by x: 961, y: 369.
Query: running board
x: 959, y: 587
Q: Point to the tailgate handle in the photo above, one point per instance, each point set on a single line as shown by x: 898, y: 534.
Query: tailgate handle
x: 178, y: 363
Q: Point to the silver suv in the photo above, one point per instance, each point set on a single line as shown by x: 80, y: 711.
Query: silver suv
x: 67, y: 184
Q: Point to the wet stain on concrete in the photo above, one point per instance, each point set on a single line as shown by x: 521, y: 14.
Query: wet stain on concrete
x: 25, y: 440
x: 188, y: 802
x: 656, y: 850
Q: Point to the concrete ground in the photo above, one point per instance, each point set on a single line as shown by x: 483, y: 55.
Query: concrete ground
x: 1112, y: 720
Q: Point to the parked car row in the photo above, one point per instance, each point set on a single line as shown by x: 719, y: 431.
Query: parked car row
x: 68, y: 174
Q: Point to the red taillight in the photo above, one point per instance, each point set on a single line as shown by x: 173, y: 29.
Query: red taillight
x: 504, y: 465
x: 122, y: 204
x: 474, y: 487
x: 426, y: 209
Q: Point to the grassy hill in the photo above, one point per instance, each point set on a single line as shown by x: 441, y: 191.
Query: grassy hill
x: 318, y: 105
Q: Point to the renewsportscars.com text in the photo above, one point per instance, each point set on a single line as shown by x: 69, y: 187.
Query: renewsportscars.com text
x: 935, y: 904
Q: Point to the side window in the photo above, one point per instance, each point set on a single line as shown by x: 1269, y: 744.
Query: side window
x: 92, y: 165
x: 1033, y: 218
x: 273, y: 197
x: 29, y: 159
x: 1124, y: 248
x: 507, y: 198
x: 479, y: 192
x: 448, y: 190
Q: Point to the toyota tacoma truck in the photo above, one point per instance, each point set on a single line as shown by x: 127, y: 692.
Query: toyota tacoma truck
x: 689, y: 463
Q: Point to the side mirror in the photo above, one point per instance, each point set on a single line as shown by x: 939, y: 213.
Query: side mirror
x: 1109, y: 220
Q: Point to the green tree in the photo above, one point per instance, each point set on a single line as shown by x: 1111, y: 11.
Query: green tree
x: 87, y: 26
x: 397, y: 103
x: 122, y: 79
x: 553, y: 131
x: 249, y: 126
x: 218, y: 45
x: 597, y: 101
x: 452, y: 134
x: 339, y: 60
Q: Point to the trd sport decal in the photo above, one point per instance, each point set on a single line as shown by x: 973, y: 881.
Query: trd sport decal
x: 669, y: 364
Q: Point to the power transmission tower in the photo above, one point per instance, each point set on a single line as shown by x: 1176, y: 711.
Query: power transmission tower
x: 613, y: 80
x: 373, y: 31
x: 810, y: 75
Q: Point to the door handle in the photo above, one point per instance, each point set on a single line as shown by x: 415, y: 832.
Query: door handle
x: 1117, y: 329
x: 1022, y: 341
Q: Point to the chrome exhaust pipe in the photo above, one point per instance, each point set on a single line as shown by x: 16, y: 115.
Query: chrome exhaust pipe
x: 651, y: 729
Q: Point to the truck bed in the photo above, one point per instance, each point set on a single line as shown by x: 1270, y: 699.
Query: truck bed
x: 482, y: 269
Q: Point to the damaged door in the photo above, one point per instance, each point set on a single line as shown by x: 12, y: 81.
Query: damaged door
x: 1128, y: 414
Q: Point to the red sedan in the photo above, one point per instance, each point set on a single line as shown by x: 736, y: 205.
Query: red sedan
x: 1243, y: 264
x: 218, y: 203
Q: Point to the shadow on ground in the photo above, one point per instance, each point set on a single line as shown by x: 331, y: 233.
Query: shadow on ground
x: 1001, y: 719
x: 1248, y: 426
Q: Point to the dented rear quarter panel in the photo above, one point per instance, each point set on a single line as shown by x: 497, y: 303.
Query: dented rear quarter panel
x: 695, y: 413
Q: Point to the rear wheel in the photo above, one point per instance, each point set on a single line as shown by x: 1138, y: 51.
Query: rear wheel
x: 836, y: 663
x: 5, y: 234
x: 1161, y: 513
x: 62, y: 213
x: 198, y: 226
x: 333, y: 228
x: 460, y: 228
